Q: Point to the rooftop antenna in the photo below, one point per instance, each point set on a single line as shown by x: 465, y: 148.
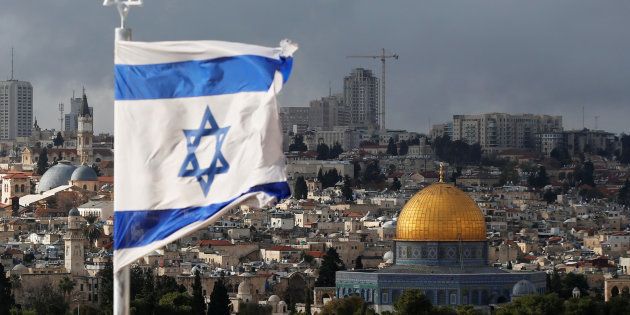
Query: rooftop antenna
x: 11, y: 64
x: 583, y: 125
x: 329, y: 89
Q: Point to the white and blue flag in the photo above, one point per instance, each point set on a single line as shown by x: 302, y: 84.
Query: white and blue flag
x: 197, y: 133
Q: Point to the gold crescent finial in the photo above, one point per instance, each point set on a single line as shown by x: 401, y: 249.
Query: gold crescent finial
x: 441, y: 172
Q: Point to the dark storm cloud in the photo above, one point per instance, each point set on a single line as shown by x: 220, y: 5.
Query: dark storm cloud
x: 455, y: 56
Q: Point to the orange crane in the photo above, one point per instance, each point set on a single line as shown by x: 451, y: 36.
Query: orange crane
x: 383, y: 57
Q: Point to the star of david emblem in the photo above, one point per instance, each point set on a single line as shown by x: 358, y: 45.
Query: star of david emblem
x: 217, y: 165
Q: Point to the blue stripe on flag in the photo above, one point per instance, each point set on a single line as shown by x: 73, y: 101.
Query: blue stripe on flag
x: 139, y: 228
x: 225, y: 75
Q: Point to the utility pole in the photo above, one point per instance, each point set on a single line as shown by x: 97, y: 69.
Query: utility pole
x: 383, y: 57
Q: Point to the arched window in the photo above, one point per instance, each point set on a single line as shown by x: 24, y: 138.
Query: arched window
x: 85, y: 187
x: 22, y: 188
x: 615, y: 291
x: 17, y: 188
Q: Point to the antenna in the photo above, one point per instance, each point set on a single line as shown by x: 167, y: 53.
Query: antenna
x: 583, y: 125
x: 11, y: 64
x: 329, y: 89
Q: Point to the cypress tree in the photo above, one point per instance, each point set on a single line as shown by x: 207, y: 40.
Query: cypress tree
x: 391, y: 147
x: 42, y: 163
x: 219, y: 299
x: 300, y: 190
x: 6, y: 299
x: 327, y: 271
x: 198, y: 303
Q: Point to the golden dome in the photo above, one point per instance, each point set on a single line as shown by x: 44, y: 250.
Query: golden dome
x: 441, y: 212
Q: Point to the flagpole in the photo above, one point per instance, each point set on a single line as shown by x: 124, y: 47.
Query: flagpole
x: 121, y: 277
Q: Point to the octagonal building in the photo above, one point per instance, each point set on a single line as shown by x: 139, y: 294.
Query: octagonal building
x: 441, y: 249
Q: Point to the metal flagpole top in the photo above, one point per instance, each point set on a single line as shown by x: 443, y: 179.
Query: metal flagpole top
x: 122, y: 32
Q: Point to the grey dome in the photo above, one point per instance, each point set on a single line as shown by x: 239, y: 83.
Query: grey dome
x: 84, y: 173
x: 56, y: 176
x: 74, y: 212
x: 522, y: 288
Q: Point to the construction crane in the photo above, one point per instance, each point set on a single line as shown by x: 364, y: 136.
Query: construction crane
x: 383, y: 57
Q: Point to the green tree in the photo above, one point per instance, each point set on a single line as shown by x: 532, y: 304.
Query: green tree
x: 330, y: 178
x: 106, y: 287
x: 413, y: 302
x: 391, y: 147
x: 219, y: 299
x: 352, y: 305
x: 403, y: 148
x: 6, y: 298
x: 298, y: 144
x: 561, y: 154
x: 46, y: 300
x: 623, y: 196
x: 251, y: 308
x: 327, y: 271
x: 624, y: 155
x: 335, y: 151
x: 58, y: 140
x: 92, y: 230
x: 550, y: 196
x: 584, y: 306
x: 346, y: 190
x: 300, y: 189
x: 538, y: 179
x: 617, y: 305
x: 570, y: 281
x: 42, y: 162
x: 96, y: 169
x: 307, y: 302
x: 555, y: 282
x: 66, y: 285
x: 396, y: 184
x: 199, y: 305
x: 323, y: 151
x: 549, y: 304
x: 175, y: 303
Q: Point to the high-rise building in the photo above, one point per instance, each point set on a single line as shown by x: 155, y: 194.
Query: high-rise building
x: 294, y: 119
x: 71, y: 120
x: 85, y: 133
x: 327, y: 113
x: 16, y: 109
x: 439, y: 130
x: 361, y: 96
x: 496, y: 131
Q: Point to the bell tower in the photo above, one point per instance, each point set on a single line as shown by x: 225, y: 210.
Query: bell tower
x: 85, y: 132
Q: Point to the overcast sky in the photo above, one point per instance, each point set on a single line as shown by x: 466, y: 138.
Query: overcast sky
x: 456, y: 57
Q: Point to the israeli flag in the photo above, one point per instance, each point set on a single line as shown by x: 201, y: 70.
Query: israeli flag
x: 196, y: 134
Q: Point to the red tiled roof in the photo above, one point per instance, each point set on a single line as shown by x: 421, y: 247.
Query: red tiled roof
x: 315, y: 253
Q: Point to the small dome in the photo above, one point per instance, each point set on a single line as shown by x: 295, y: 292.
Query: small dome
x: 74, y: 212
x: 522, y: 288
x: 243, y: 288
x: 281, y: 303
x: 274, y: 299
x: 84, y: 173
x: 19, y: 268
x: 389, y: 256
x: 389, y: 225
x: 56, y: 176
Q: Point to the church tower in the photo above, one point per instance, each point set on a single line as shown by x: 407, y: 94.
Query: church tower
x: 74, y: 240
x: 85, y: 132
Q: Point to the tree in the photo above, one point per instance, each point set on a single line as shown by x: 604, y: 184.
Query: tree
x: 42, y: 162
x: 413, y: 302
x: 346, y: 190
x: 66, y: 285
x: 373, y: 173
x: 539, y: 178
x: 251, y: 308
x: 323, y: 151
x: 219, y: 299
x: 198, y: 303
x: 391, y: 147
x: 549, y: 304
x: 92, y: 230
x: 358, y: 264
x: 624, y: 155
x: 395, y: 184
x: 300, y: 190
x: 106, y: 287
x: 176, y: 303
x: 561, y: 154
x: 328, y: 269
x: 307, y: 303
x: 335, y: 151
x: 403, y: 148
x: 571, y: 281
x: 96, y: 169
x: 555, y: 282
x: 6, y: 298
x: 298, y: 144
x: 550, y: 196
x: 330, y: 178
x: 623, y: 196
x: 509, y: 174
x: 46, y: 300
x: 58, y: 141
x: 345, y: 306
x: 583, y: 306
